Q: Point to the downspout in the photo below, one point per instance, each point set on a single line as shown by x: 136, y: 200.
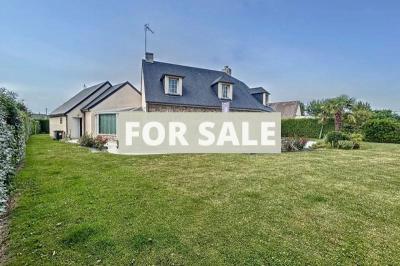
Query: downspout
x: 84, y: 123
x: 66, y: 126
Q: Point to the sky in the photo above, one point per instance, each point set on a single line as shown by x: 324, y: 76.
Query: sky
x: 297, y: 50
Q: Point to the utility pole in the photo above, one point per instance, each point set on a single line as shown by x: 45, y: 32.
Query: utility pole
x: 146, y: 29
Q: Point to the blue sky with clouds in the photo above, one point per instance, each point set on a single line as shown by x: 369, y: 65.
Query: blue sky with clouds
x: 297, y: 49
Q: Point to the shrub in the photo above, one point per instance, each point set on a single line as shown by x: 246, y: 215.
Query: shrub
x: 100, y: 142
x: 305, y: 127
x: 333, y: 138
x: 345, y: 144
x: 320, y: 144
x: 293, y: 144
x: 87, y: 141
x: 382, y: 130
x: 43, y: 126
x: 357, y: 137
x: 15, y: 128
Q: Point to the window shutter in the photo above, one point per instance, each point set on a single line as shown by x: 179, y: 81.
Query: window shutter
x: 179, y: 86
x: 166, y: 81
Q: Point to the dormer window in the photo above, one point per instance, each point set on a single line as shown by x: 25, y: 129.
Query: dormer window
x: 173, y: 86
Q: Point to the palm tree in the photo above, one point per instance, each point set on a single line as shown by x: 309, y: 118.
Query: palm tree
x: 323, y: 116
x: 338, y: 107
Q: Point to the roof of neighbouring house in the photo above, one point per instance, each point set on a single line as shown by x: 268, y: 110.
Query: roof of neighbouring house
x: 258, y: 90
x: 287, y: 109
x: 197, y: 87
x: 77, y: 99
x: 107, y: 93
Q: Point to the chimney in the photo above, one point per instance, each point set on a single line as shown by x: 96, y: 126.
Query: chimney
x: 149, y: 57
x: 227, y: 70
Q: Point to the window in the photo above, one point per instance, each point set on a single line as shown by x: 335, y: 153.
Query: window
x: 107, y: 124
x: 60, y: 120
x: 173, y: 86
x: 225, y: 91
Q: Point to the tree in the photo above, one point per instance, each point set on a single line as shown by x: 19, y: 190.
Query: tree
x: 383, y: 114
x: 338, y: 107
x: 361, y: 112
x: 318, y: 108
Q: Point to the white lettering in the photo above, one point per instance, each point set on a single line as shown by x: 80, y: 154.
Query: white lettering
x: 227, y: 133
x: 266, y: 132
x: 160, y: 133
x: 129, y: 133
x: 177, y: 131
x: 208, y: 134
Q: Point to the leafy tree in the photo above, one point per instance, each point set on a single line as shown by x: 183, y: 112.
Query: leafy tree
x: 361, y: 112
x: 383, y: 114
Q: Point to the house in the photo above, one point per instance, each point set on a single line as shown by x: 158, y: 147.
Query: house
x: 93, y: 110
x: 176, y: 88
x: 291, y: 109
x: 165, y: 87
x: 40, y: 116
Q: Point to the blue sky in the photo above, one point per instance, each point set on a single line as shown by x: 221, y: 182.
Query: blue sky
x: 298, y: 50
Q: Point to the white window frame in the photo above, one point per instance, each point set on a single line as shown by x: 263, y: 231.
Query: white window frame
x: 173, y: 90
x: 265, y: 98
x: 97, y: 122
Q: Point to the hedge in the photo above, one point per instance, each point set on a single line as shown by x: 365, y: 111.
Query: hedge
x: 15, y: 128
x: 42, y: 126
x: 305, y: 127
x: 382, y: 130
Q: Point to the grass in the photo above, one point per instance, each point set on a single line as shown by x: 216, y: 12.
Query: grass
x: 321, y: 207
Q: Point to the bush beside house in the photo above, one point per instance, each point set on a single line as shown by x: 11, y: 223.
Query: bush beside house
x: 15, y: 128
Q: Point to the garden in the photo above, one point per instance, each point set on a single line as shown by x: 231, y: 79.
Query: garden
x: 337, y: 204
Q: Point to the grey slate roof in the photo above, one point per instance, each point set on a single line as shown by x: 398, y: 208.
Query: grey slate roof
x: 77, y: 99
x: 224, y: 78
x: 258, y: 90
x: 106, y: 94
x: 287, y: 109
x: 197, y: 90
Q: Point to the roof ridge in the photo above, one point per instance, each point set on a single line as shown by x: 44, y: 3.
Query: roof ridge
x: 294, y: 101
x: 201, y: 68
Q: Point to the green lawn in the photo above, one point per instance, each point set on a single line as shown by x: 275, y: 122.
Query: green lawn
x: 321, y: 207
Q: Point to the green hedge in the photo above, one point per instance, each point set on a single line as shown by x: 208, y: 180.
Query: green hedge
x: 42, y: 126
x: 382, y: 130
x: 305, y: 127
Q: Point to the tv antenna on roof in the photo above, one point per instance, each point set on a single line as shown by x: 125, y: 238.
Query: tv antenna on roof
x: 146, y: 29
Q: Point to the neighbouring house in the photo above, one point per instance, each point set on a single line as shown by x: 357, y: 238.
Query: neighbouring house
x: 291, y: 109
x: 93, y: 110
x: 176, y: 88
x: 39, y: 116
